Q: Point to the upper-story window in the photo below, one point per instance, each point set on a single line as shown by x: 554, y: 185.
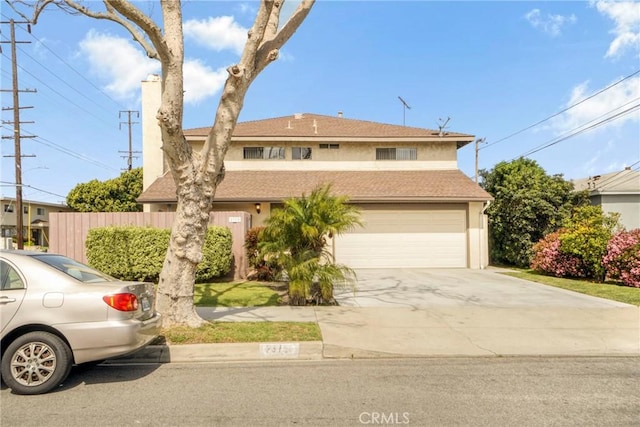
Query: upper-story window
x: 253, y: 153
x: 329, y: 146
x: 25, y: 209
x: 396, y: 153
x: 40, y: 211
x: 8, y: 208
x: 301, y: 153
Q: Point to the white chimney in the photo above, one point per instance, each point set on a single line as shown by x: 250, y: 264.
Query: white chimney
x: 152, y: 154
x: 340, y: 114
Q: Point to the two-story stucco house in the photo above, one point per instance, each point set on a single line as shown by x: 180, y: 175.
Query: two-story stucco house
x: 418, y: 208
x: 35, y: 219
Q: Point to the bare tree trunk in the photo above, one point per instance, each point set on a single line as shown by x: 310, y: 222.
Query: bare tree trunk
x: 176, y: 287
x: 196, y: 174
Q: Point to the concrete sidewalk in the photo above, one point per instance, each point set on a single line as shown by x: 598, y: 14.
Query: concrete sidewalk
x: 369, y: 332
x: 433, y: 312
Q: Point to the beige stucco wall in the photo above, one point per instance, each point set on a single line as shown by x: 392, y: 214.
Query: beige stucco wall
x: 360, y: 156
x: 477, y: 234
x: 627, y: 205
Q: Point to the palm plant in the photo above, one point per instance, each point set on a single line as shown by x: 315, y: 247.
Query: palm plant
x: 296, y: 237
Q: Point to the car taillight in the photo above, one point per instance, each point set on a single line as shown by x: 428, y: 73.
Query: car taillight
x: 122, y: 302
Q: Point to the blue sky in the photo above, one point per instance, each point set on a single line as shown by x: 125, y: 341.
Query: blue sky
x: 492, y: 69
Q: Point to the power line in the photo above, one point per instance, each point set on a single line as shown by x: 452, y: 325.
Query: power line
x: 71, y: 153
x: 13, y: 184
x: 63, y: 96
x: 600, y: 123
x: 562, y: 111
x: 569, y: 133
x: 81, y: 75
x: 48, y: 69
x: 616, y: 179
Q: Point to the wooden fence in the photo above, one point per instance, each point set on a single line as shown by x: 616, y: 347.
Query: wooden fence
x: 68, y: 230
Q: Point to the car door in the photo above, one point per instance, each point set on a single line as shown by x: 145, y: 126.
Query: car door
x: 12, y: 291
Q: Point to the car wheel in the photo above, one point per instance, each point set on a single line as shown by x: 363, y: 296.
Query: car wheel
x: 35, y: 363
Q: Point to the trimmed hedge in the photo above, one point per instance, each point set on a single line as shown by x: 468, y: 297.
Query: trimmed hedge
x: 137, y: 253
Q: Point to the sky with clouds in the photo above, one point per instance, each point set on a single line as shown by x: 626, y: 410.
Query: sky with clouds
x: 558, y: 82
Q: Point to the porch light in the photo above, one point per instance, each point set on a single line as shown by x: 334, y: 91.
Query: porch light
x: 258, y: 207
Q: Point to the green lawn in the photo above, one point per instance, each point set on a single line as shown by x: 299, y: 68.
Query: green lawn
x: 610, y: 291
x: 240, y: 294
x: 239, y: 332
x: 235, y: 294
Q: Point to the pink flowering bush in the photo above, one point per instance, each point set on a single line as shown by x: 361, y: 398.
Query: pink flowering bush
x: 622, y: 260
x: 548, y: 259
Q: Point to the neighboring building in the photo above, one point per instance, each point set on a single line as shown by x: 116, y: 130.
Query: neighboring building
x: 419, y: 209
x: 615, y: 192
x: 35, y: 219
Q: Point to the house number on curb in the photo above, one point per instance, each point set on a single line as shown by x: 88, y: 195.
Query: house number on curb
x: 274, y: 350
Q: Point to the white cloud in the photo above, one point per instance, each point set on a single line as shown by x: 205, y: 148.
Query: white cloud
x: 217, y: 33
x: 550, y: 24
x: 617, y: 99
x: 201, y: 82
x: 118, y: 61
x: 626, y: 16
x: 123, y: 65
x: 247, y: 8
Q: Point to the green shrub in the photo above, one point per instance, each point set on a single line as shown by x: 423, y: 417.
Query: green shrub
x: 217, y: 254
x: 137, y: 253
x: 262, y: 268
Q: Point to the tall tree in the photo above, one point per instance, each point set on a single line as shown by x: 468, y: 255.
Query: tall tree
x: 113, y: 195
x: 196, y: 173
x: 528, y: 205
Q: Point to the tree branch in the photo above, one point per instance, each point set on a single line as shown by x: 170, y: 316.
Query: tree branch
x: 148, y: 26
x: 38, y: 7
x: 268, y: 50
x: 256, y: 35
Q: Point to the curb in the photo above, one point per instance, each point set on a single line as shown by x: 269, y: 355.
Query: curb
x: 303, y: 350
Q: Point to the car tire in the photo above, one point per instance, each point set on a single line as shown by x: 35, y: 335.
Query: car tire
x: 35, y: 363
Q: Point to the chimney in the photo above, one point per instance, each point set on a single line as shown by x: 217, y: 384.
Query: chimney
x: 340, y: 114
x: 152, y: 154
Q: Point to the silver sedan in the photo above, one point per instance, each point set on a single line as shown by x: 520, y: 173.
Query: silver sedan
x: 56, y: 312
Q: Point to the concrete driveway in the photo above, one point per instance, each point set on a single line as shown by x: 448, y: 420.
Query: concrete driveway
x: 460, y: 312
x: 421, y: 288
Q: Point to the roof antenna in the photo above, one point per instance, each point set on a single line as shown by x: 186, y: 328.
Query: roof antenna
x: 404, y: 109
x: 442, y: 126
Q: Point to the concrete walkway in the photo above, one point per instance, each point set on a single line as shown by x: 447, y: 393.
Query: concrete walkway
x: 434, y: 313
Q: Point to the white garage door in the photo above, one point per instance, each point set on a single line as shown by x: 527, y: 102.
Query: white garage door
x: 426, y: 238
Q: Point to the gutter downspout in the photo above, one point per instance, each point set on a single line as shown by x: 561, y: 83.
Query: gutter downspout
x: 481, y: 240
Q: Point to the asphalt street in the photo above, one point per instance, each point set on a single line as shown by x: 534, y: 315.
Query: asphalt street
x: 481, y: 391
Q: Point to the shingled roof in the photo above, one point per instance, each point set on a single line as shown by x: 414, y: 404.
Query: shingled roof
x: 626, y: 181
x: 306, y: 125
x: 360, y: 186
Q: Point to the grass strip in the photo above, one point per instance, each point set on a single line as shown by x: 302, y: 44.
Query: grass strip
x: 242, y: 332
x: 608, y: 290
x: 235, y: 294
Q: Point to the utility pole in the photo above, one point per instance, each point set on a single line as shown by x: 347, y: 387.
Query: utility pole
x: 16, y: 129
x: 478, y: 142
x: 130, y: 156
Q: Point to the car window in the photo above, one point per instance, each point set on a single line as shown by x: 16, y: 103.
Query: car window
x: 74, y: 269
x: 10, y: 277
